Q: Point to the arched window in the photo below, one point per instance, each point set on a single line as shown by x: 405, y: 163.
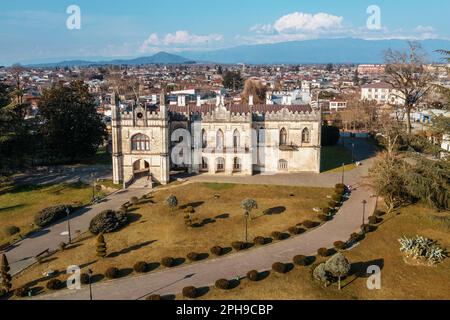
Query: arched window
x: 140, y: 142
x: 236, y: 139
x: 283, y: 165
x: 283, y: 137
x: 220, y: 165
x: 204, y: 166
x: 204, y: 139
x: 306, y: 137
x: 219, y: 139
x: 237, y: 166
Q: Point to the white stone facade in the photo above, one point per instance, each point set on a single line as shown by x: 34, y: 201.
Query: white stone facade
x: 227, y: 140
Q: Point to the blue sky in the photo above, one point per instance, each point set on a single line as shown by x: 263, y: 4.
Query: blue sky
x: 36, y: 30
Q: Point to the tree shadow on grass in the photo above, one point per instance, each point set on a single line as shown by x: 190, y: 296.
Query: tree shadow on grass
x: 203, y: 256
x: 233, y: 284
x: 178, y: 262
x: 130, y: 249
x: 168, y: 297
x: 125, y: 272
x: 192, y: 204
x: 223, y: 216
x: 359, y: 269
x: 274, y: 211
x: 203, y: 223
x: 97, y: 278
x: 263, y: 275
x: 153, y: 266
x: 226, y: 251
x: 289, y: 267
x: 12, y: 207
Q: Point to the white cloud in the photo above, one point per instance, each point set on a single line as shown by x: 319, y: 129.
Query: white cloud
x: 423, y: 29
x: 178, y: 40
x: 300, y: 22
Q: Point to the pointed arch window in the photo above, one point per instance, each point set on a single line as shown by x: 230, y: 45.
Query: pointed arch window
x: 220, y: 139
x: 306, y: 136
x: 236, y: 139
x: 204, y: 139
x: 283, y: 137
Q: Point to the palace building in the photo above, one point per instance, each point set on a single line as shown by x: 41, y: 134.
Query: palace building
x: 219, y: 139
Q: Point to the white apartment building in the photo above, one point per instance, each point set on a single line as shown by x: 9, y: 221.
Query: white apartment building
x: 382, y: 93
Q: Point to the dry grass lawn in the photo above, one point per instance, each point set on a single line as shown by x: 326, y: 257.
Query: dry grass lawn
x: 156, y: 231
x: 399, y: 280
x: 18, y: 206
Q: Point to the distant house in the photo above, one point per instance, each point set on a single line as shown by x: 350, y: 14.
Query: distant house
x: 382, y: 93
x: 337, y: 105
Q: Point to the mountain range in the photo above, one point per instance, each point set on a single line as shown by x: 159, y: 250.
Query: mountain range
x: 321, y: 51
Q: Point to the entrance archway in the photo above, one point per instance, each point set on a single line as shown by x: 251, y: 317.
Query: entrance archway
x: 141, y: 168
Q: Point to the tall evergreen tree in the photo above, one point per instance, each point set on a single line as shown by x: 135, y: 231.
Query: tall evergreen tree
x: 71, y: 128
x: 4, y: 274
x: 101, y: 246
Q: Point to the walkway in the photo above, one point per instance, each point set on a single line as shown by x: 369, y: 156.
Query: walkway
x: 202, y: 274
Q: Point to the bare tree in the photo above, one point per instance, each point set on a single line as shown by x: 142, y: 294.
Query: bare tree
x: 407, y: 74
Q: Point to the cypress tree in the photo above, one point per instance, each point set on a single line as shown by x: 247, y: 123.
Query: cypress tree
x: 101, y: 246
x: 4, y: 274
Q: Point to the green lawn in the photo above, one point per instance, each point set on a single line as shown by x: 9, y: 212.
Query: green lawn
x: 333, y: 157
x: 102, y: 157
x: 18, y: 205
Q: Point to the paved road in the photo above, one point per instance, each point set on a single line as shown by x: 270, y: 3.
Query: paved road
x: 21, y: 254
x: 171, y: 281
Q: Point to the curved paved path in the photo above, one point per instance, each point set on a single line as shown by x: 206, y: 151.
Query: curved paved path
x: 171, y: 281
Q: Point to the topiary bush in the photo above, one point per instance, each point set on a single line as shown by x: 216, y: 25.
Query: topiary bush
x: 332, y: 204
x: 355, y: 237
x: 326, y: 211
x: 222, y: 284
x: 310, y: 224
x: 84, y: 278
x: 193, y: 256
x: 54, y: 284
x: 238, y: 245
x: 337, y: 198
x: 190, y: 292
x: 140, y: 267
x: 294, y: 231
x: 168, y: 262
x: 217, y: 251
x: 340, y: 191
x: 301, y: 260
x: 11, y: 230
x: 112, y: 273
x: 373, y: 220
x: 323, y: 217
x: 253, y: 275
x: 366, y: 228
x: 259, y: 241
x: 108, y: 221
x: 279, y: 267
x: 47, y: 216
x: 21, y: 292
x: 153, y: 297
x: 379, y: 213
x: 340, y: 186
x: 339, y: 245
x: 277, y: 235
x: 323, y: 252
x: 134, y: 201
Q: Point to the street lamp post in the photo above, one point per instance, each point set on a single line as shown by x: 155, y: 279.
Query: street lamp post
x: 246, y: 215
x: 68, y: 225
x: 93, y: 187
x: 353, y: 153
x: 90, y: 283
x: 343, y: 172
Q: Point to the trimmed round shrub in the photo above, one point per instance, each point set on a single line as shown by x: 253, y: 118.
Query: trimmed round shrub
x: 279, y: 267
x: 253, y: 275
x: 277, y: 235
x: 238, y: 245
x: 223, y: 284
x: 295, y: 231
x: 190, y: 292
x: 323, y: 217
x: 259, y: 241
x: 21, y: 292
x: 217, y: 251
x: 337, y: 198
x: 340, y: 191
x: 355, y: 237
x: 301, y: 260
x: 153, y: 297
x: 193, y: 256
x: 140, y: 267
x: 379, y: 213
x: 323, y: 252
x: 134, y: 201
x: 54, y: 284
x: 112, y: 273
x: 47, y: 216
x: 333, y: 204
x: 340, y: 245
x: 373, y: 220
x: 108, y: 221
x: 310, y: 224
x: 168, y: 262
x: 84, y: 278
x: 11, y: 230
x: 340, y: 186
x: 366, y: 228
x: 326, y: 211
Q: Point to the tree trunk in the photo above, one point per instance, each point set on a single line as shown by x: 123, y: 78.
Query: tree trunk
x: 339, y: 282
x: 408, y: 121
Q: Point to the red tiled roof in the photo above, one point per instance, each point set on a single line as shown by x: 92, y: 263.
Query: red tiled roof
x: 380, y: 85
